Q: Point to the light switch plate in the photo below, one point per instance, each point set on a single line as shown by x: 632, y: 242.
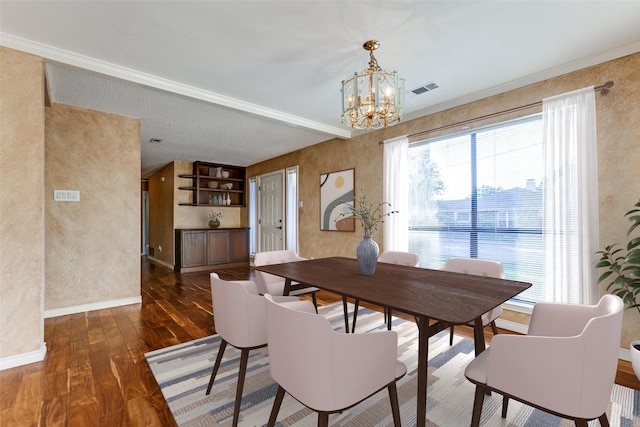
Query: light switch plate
x: 66, y: 195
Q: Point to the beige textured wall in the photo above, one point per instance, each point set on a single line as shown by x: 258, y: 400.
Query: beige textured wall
x: 166, y: 214
x: 618, y: 116
x: 92, y: 246
x: 21, y: 206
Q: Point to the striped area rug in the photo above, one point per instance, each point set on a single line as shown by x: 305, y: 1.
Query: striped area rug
x: 183, y: 371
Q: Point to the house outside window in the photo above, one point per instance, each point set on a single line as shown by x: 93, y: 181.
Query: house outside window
x: 479, y: 195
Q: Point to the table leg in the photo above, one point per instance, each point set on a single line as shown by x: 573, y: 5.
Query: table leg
x: 423, y: 360
x: 287, y: 287
x: 346, y: 314
x: 478, y: 336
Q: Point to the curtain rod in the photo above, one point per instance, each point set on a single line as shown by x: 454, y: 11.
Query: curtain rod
x: 603, y: 89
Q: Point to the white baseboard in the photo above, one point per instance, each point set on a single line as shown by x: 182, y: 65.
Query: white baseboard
x: 512, y: 326
x: 23, y: 358
x: 625, y: 354
x: 55, y: 312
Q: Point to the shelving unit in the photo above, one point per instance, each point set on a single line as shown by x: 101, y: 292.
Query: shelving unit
x: 205, y: 173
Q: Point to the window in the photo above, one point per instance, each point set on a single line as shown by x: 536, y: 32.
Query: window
x: 292, y: 209
x: 253, y: 215
x: 479, y: 195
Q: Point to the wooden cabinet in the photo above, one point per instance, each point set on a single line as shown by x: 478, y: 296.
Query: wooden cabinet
x: 206, y: 249
x: 192, y: 251
x: 215, y: 184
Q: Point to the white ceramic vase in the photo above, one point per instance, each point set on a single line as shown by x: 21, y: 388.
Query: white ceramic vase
x: 635, y: 357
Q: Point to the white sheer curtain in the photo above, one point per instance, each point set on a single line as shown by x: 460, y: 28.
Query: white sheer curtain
x: 570, y: 204
x: 395, y: 191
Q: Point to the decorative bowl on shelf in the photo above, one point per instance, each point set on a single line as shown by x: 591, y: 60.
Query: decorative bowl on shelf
x: 225, y: 174
x: 213, y: 184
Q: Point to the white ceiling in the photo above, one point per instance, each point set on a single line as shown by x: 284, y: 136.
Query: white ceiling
x: 239, y: 82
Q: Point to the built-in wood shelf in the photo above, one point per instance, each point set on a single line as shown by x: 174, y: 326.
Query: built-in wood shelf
x: 205, y: 173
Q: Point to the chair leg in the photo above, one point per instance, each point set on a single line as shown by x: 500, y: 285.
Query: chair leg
x: 223, y: 346
x: 505, y: 406
x: 244, y: 358
x: 388, y: 318
x: 604, y: 421
x: 451, y: 335
x: 277, y: 402
x: 356, y: 305
x: 395, y: 408
x: 314, y: 298
x: 346, y: 314
x: 494, y: 328
x: 477, y: 405
x: 581, y: 423
x: 323, y: 419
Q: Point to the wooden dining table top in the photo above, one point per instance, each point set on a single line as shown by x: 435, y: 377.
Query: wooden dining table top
x: 455, y: 298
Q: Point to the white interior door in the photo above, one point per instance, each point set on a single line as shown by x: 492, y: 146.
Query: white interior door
x: 271, y: 217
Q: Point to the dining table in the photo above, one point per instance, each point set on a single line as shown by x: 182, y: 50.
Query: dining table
x: 436, y: 298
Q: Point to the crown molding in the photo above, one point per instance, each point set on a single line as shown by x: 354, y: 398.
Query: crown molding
x: 61, y: 56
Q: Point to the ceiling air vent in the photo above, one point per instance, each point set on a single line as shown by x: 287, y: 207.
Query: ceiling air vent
x: 425, y: 88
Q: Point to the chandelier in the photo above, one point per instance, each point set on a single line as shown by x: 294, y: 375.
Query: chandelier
x: 373, y: 98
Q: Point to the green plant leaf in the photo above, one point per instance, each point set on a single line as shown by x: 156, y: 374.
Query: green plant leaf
x: 633, y: 243
x: 634, y: 272
x: 604, y: 276
x: 619, y: 259
x: 633, y: 258
x: 635, y: 225
x: 623, y: 269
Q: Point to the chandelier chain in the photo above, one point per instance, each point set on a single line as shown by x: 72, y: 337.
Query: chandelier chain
x: 373, y: 63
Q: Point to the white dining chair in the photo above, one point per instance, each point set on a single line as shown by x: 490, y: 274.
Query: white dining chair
x: 565, y: 365
x: 274, y: 285
x: 347, y: 368
x: 239, y: 319
x: 477, y: 267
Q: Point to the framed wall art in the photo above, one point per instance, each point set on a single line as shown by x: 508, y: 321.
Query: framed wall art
x: 336, y: 191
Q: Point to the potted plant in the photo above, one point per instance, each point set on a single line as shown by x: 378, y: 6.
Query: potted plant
x: 623, y: 274
x: 370, y: 217
x: 214, y: 218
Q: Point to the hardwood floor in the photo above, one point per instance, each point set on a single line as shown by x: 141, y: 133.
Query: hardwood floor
x: 95, y: 374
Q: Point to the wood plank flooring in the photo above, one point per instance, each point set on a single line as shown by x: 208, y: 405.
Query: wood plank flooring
x: 95, y: 374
